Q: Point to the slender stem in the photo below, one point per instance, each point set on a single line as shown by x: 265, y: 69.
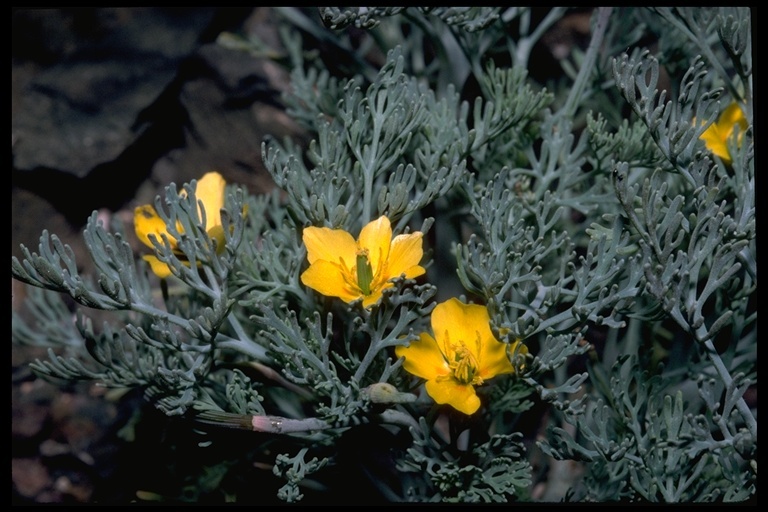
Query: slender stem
x: 270, y: 424
x: 367, y: 192
x: 526, y: 44
x: 245, y: 347
x: 395, y: 417
x: 239, y: 331
x: 148, y: 309
x: 587, y: 68
x: 273, y: 375
x: 369, y: 164
x: 725, y: 376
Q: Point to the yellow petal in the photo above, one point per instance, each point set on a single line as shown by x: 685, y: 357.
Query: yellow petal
x: 457, y: 322
x: 373, y: 297
x: 158, y: 267
x: 210, y: 190
x: 147, y: 222
x: 715, y: 142
x: 330, y: 245
x: 461, y: 397
x: 731, y: 116
x: 423, y: 358
x: 716, y: 137
x: 469, y: 324
x: 493, y: 360
x: 328, y: 279
x: 376, y: 236
x: 405, y: 255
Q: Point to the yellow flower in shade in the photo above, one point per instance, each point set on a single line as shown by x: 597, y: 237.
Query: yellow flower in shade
x: 718, y: 134
x: 463, y: 354
x: 340, y: 266
x: 210, y: 190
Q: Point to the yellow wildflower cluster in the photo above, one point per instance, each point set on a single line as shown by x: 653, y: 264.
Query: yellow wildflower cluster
x: 462, y: 354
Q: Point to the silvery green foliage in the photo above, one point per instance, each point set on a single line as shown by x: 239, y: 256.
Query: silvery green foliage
x: 294, y: 470
x: 586, y: 214
x: 693, y: 222
x: 501, y: 470
x: 644, y: 445
x: 468, y: 18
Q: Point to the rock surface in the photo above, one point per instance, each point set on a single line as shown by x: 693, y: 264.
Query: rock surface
x: 117, y: 99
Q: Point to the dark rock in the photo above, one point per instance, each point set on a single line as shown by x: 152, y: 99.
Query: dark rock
x: 138, y: 94
x: 230, y: 105
x: 84, y: 111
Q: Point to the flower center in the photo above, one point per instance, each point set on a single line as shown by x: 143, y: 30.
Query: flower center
x: 364, y: 272
x: 464, y: 366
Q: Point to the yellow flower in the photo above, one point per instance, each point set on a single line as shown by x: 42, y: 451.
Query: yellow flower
x: 718, y: 134
x: 210, y: 191
x: 341, y: 267
x: 463, y: 354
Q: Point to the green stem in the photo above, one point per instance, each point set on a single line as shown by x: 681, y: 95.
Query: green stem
x: 150, y: 310
x: 368, y: 165
x: 243, y: 343
x: 588, y: 66
x: 367, y: 192
x: 526, y: 44
x: 725, y: 376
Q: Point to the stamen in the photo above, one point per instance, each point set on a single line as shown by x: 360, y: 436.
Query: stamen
x: 464, y: 365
